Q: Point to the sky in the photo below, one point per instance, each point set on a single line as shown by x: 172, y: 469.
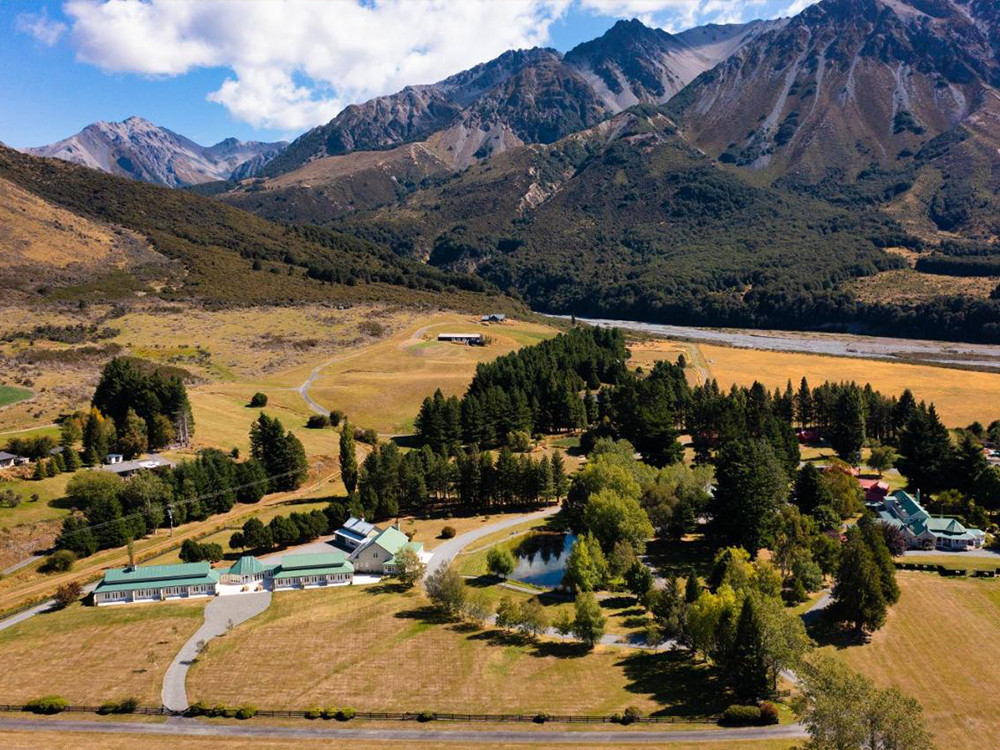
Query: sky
x: 271, y: 69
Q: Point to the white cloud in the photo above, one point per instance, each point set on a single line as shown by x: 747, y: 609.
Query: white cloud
x: 797, y: 6
x: 40, y: 26
x: 296, y: 63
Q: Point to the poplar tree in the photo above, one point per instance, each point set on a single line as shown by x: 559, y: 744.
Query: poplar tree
x: 348, y: 458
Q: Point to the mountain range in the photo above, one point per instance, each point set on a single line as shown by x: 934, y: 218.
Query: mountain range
x: 727, y: 175
x: 138, y: 149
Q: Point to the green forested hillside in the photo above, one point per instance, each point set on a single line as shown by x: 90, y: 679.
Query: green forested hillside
x: 229, y: 255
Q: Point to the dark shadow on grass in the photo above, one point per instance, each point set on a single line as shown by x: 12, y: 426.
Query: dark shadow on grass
x: 826, y: 632
x: 561, y: 649
x: 618, y: 602
x: 386, y: 587
x: 426, y: 614
x: 483, y: 581
x: 636, y: 621
x: 677, y: 682
x: 407, y: 441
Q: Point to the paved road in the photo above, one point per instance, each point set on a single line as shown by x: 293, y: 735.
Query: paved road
x: 219, y: 613
x: 24, y: 563
x: 462, y: 736
x: 445, y: 552
x: 977, y: 553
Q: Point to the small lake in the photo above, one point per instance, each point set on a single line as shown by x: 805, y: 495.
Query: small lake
x: 541, y: 559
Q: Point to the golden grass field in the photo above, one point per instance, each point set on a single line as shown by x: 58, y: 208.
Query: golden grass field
x: 961, y: 396
x: 364, y: 646
x: 905, y: 285
x: 941, y: 644
x: 88, y: 654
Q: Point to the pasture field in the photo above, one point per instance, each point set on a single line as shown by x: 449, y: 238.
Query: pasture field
x: 375, y: 647
x: 941, y: 644
x: 11, y: 395
x: 961, y: 396
x: 91, y: 654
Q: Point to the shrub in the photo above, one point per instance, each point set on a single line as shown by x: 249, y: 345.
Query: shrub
x: 229, y: 713
x: 246, y: 711
x: 365, y: 435
x: 631, y: 715
x: 49, y: 704
x: 448, y: 532
x: 258, y: 400
x: 124, y: 706
x: 67, y: 594
x: 313, y: 713
x: 59, y: 561
x: 541, y: 718
x: 345, y: 714
x: 217, y: 710
x: 336, y: 417
x: 741, y: 716
x: 425, y: 716
x: 197, y: 709
x: 318, y: 422
x: 768, y: 713
x: 615, y: 718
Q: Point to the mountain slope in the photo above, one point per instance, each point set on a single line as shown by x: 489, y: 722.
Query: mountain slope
x: 225, y: 255
x: 524, y: 96
x: 849, y: 88
x: 138, y: 149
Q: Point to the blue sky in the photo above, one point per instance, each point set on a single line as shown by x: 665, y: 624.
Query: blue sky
x: 270, y: 69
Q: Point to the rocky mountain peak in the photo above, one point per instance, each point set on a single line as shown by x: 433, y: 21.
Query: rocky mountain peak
x: 142, y: 150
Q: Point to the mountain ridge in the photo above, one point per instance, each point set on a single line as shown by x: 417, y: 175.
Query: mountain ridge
x: 141, y: 150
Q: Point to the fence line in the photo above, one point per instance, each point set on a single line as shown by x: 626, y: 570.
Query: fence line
x: 540, y: 717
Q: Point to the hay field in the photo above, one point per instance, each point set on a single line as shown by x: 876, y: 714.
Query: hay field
x: 941, y: 644
x: 89, y: 655
x: 961, y: 396
x: 373, y: 648
x: 382, y: 386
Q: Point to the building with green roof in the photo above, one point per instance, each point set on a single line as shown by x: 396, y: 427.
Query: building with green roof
x: 377, y: 556
x: 316, y: 569
x: 921, y: 529
x: 156, y: 582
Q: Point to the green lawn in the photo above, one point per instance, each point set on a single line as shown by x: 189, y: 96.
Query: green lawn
x: 10, y: 394
x: 49, y: 490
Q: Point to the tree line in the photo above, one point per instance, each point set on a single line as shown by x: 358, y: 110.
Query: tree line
x: 391, y: 482
x: 533, y: 390
x: 110, y: 511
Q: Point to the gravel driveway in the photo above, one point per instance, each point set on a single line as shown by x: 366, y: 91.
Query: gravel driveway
x: 219, y: 613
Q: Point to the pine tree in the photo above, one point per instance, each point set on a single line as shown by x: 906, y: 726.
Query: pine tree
x: 750, y: 486
x: 882, y: 557
x: 71, y: 459
x: 348, y: 458
x: 804, y: 405
x: 926, y: 453
x: 134, y: 438
x: 847, y: 431
x: 746, y: 666
x: 692, y: 587
x: 588, y: 625
x: 858, y: 596
x: 545, y: 481
x: 560, y: 481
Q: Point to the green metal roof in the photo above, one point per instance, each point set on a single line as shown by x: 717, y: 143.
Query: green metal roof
x: 342, y: 567
x: 246, y: 565
x: 391, y: 540
x: 907, y: 501
x: 210, y: 577
x: 149, y: 573
x: 313, y: 560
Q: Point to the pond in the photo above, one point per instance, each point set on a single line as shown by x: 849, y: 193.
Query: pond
x: 541, y: 559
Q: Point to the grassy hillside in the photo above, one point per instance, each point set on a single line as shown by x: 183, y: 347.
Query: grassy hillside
x: 227, y: 255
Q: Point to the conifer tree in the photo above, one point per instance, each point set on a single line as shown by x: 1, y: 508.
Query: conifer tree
x: 858, y: 596
x: 746, y: 666
x: 348, y: 458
